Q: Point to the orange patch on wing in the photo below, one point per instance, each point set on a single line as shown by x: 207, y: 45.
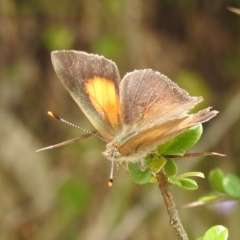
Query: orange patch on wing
x: 104, y: 99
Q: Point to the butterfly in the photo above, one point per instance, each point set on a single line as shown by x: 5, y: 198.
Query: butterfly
x: 134, y: 114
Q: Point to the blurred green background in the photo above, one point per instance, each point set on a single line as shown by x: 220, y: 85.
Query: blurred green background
x: 63, y: 193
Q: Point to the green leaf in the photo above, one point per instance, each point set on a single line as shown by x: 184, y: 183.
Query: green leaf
x: 174, y: 180
x: 170, y: 168
x: 216, y: 233
x: 153, y: 180
x: 191, y: 174
x: 231, y: 184
x: 216, y: 177
x: 164, y: 147
x: 188, y: 184
x: 180, y: 144
x: 139, y: 176
x: 157, y: 163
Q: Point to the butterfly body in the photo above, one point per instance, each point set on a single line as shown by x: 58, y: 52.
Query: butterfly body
x: 136, y: 114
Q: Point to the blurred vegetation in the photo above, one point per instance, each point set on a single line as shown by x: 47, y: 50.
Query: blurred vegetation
x: 62, y: 193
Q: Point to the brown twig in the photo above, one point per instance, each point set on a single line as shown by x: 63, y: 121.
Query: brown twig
x: 171, y: 207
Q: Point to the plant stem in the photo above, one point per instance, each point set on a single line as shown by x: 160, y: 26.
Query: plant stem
x: 175, y: 221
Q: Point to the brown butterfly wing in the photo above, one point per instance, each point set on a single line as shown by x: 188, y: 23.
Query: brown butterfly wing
x: 156, y: 110
x: 149, y: 98
x: 93, y: 82
x: 152, y: 137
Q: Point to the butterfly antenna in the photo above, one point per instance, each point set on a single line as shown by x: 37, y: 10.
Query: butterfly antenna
x: 110, y: 182
x: 55, y: 116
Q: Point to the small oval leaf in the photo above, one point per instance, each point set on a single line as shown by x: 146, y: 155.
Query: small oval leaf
x: 216, y: 233
x: 174, y: 181
x: 188, y: 184
x: 157, y: 164
x: 163, y: 148
x: 231, y: 184
x: 216, y: 177
x: 139, y: 176
x: 153, y: 180
x: 180, y: 144
x: 170, y: 167
x: 191, y: 174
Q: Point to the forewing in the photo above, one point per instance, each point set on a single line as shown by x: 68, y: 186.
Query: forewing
x: 152, y: 137
x: 93, y: 82
x: 149, y: 98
